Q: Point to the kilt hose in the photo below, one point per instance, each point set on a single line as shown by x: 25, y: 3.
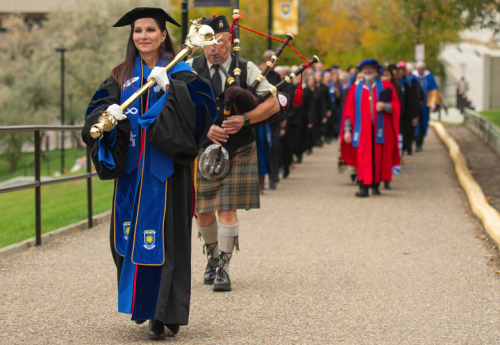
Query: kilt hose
x: 238, y: 190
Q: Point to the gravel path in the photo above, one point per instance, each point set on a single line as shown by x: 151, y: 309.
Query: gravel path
x: 317, y: 266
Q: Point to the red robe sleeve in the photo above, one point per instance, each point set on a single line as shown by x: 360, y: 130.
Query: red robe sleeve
x: 394, y: 118
x: 347, y: 150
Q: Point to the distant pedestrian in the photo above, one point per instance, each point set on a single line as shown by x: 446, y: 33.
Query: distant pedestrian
x: 431, y: 101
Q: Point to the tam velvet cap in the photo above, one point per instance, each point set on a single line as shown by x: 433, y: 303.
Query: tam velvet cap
x: 145, y: 12
x: 368, y: 62
x: 402, y: 64
x: 219, y: 24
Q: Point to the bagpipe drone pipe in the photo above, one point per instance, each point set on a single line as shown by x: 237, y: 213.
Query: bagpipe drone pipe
x: 244, y: 101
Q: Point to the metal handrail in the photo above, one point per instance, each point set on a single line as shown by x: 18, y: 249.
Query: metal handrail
x: 39, y: 183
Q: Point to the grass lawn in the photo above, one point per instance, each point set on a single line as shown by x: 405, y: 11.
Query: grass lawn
x: 62, y: 204
x: 50, y: 162
x: 492, y: 115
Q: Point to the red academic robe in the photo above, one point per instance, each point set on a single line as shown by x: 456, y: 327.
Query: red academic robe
x: 386, y: 155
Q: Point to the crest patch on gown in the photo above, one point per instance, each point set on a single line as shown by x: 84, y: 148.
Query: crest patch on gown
x: 149, y: 239
x: 126, y: 230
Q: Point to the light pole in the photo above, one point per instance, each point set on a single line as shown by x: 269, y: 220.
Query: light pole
x: 184, y: 17
x: 270, y: 24
x: 62, y: 49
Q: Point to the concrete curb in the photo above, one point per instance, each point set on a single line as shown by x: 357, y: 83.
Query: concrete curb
x: 480, y: 206
x: 23, y: 246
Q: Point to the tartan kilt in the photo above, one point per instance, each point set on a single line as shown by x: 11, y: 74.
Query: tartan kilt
x: 238, y: 190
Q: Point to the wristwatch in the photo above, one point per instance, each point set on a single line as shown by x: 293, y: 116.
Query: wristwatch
x: 247, y: 119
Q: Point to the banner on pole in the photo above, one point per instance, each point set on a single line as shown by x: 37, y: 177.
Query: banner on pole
x: 212, y: 3
x: 285, y: 17
x: 419, y: 52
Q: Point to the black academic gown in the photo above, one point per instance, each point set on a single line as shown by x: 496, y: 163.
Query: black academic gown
x: 414, y: 99
x: 173, y: 134
x: 275, y: 151
x: 291, y: 138
x: 315, y: 105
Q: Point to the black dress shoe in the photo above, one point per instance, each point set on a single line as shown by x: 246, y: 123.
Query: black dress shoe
x: 173, y: 328
x: 387, y: 185
x: 286, y: 172
x: 410, y: 153
x: 299, y: 159
x: 139, y: 322
x: 272, y: 184
x: 156, y: 330
x: 419, y: 149
x: 363, y: 192
x: 222, y: 281
x: 209, y: 277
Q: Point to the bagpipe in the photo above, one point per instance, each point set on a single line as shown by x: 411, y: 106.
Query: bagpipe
x: 199, y: 37
x: 214, y: 161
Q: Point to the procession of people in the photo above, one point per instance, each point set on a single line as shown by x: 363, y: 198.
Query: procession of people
x: 154, y: 152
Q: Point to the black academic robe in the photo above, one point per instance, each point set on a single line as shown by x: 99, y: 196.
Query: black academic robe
x: 414, y: 98
x: 291, y: 138
x: 315, y: 105
x: 276, y: 150
x: 173, y: 134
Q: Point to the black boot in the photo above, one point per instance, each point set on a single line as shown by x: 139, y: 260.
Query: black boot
x: 387, y: 185
x: 156, y: 330
x: 212, y: 264
x: 363, y: 191
x: 222, y: 281
x: 139, y: 322
x: 375, y: 189
x: 354, y: 178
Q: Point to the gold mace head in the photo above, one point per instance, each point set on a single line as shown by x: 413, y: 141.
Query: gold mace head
x: 96, y: 131
x: 200, y: 36
x: 105, y: 123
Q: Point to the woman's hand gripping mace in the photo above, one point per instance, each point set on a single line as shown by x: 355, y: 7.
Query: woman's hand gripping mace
x: 199, y: 37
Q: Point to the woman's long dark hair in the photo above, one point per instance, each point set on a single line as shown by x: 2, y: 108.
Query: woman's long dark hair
x: 125, y: 70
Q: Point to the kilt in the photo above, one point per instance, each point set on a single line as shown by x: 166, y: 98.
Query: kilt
x: 238, y: 190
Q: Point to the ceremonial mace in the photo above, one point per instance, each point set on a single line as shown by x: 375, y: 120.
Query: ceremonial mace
x: 199, y: 37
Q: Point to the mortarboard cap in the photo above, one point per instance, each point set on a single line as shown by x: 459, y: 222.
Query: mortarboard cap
x: 145, y: 12
x: 368, y: 62
x: 219, y: 24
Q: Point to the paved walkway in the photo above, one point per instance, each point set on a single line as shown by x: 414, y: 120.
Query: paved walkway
x: 317, y: 266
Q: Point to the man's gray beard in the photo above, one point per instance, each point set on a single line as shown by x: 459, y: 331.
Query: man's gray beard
x: 370, y: 79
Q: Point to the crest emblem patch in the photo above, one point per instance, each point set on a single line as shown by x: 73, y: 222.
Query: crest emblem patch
x: 286, y: 10
x: 126, y: 230
x: 221, y: 24
x: 283, y: 100
x: 379, y: 134
x: 149, y: 239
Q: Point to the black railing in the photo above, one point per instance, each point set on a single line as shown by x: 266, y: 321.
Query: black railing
x: 39, y: 183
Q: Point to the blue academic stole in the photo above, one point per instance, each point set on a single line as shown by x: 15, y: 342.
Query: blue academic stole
x: 162, y: 166
x: 333, y: 98
x: 379, y: 138
x: 149, y: 197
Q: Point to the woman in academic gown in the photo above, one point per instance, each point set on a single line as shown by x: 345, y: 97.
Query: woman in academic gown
x: 149, y: 154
